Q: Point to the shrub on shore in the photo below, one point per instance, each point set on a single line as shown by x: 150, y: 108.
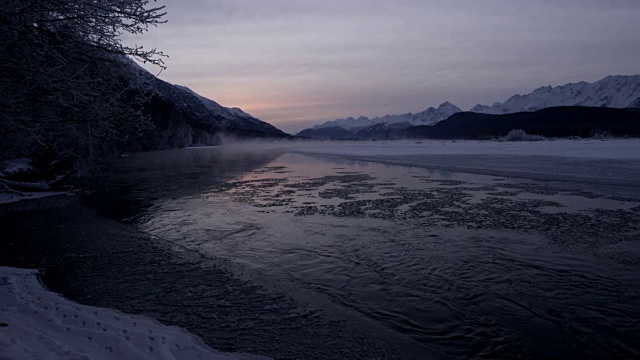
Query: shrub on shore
x: 521, y: 135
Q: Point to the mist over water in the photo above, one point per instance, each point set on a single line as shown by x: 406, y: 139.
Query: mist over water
x: 466, y: 265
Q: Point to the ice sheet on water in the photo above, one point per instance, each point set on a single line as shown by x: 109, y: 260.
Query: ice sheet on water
x: 610, y: 162
x: 39, y: 324
x: 583, y: 148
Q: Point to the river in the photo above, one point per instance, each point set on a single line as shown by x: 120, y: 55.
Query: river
x: 462, y: 264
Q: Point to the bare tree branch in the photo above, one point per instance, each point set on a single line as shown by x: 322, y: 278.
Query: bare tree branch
x: 64, y: 69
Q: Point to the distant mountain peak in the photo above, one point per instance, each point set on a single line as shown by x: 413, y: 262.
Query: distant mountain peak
x: 200, y: 114
x: 429, y: 116
x: 615, y: 91
x: 226, y: 112
x: 448, y: 105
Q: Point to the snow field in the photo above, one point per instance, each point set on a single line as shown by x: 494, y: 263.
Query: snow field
x: 583, y: 148
x: 39, y: 324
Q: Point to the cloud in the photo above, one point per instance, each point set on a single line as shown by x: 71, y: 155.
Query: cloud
x: 289, y: 61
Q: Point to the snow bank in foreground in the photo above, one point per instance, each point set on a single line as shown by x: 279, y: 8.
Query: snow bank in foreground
x: 8, y: 195
x: 38, y: 324
x: 13, y: 196
x: 584, y: 148
x: 15, y: 165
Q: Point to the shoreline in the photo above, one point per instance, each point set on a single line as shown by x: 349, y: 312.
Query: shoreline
x: 39, y: 323
x: 104, y: 263
x: 437, y: 163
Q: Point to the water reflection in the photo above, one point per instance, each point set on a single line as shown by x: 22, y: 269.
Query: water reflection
x: 141, y: 179
x: 472, y: 265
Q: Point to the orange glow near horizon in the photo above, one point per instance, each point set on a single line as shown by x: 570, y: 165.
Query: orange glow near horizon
x: 299, y: 63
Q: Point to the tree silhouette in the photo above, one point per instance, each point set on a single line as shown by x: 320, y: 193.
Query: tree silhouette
x: 68, y: 84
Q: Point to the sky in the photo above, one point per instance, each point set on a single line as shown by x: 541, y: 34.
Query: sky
x: 295, y: 63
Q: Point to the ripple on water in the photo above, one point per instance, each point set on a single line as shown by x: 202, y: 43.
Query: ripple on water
x: 469, y: 264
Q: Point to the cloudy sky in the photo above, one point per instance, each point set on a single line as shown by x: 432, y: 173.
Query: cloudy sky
x: 295, y: 63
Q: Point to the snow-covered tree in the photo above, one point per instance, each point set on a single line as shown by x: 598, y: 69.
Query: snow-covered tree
x: 68, y: 84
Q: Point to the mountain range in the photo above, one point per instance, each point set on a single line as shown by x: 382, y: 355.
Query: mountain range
x: 563, y: 121
x: 429, y: 116
x: 181, y: 117
x: 612, y: 91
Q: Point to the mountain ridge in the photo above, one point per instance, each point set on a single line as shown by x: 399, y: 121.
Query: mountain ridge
x: 563, y: 121
x: 429, y: 116
x: 614, y: 91
x: 182, y: 117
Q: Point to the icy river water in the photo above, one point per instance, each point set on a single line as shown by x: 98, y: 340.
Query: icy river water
x: 426, y: 263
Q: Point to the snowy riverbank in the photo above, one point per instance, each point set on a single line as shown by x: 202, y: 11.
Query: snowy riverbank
x: 39, y: 324
x: 605, y: 162
x: 579, y: 148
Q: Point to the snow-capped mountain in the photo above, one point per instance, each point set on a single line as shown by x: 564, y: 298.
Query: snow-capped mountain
x: 197, y: 111
x: 635, y: 104
x: 612, y: 91
x: 429, y: 116
x: 209, y: 112
x: 433, y: 115
x: 231, y: 114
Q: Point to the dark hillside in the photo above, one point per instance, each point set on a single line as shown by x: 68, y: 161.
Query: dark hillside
x: 550, y: 122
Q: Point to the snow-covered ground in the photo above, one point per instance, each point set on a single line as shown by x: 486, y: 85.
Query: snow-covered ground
x: 605, y: 162
x: 14, y: 166
x: 595, y: 149
x: 39, y: 324
x: 9, y: 197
